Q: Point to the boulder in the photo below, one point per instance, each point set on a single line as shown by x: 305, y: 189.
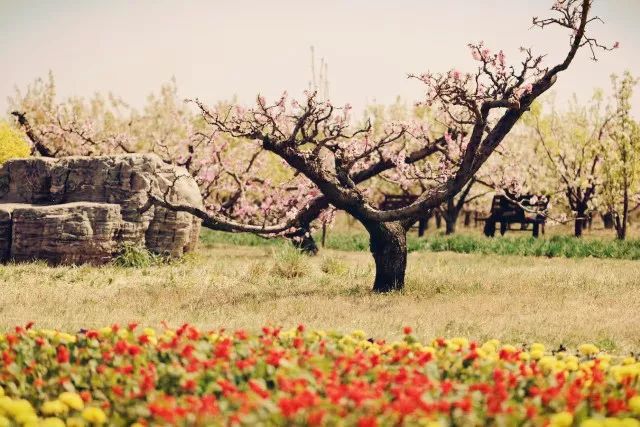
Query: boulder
x: 85, y: 209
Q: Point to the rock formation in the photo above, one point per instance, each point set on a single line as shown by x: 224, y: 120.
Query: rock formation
x: 76, y: 210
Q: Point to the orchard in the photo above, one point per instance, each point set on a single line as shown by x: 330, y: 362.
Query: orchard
x: 294, y: 189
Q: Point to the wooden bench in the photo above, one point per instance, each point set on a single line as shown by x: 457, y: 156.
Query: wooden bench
x: 524, y: 210
x: 397, y: 201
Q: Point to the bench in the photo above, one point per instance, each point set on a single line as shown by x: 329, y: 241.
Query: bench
x: 397, y: 201
x: 524, y: 210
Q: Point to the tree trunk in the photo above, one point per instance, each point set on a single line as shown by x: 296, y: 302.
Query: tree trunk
x: 388, y: 245
x: 622, y: 234
x: 579, y: 223
x: 467, y: 219
x: 577, y: 227
x: 423, y: 223
x: 450, y: 217
x: 450, y: 225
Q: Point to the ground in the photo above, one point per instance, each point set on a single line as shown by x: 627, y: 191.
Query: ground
x: 515, y: 299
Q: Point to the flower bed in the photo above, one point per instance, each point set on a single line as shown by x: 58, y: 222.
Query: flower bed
x: 133, y: 376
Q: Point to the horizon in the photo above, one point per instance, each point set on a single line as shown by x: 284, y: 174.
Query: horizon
x: 130, y: 50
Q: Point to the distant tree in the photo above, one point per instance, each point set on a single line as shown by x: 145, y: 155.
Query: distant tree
x: 569, y: 144
x: 621, y: 157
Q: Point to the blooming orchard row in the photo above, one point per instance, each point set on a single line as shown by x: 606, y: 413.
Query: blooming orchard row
x: 134, y: 376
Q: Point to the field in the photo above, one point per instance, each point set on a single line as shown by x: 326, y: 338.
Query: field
x: 279, y: 338
x: 512, y: 298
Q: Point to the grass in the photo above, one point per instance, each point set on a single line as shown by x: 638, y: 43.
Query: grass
x: 554, y: 246
x: 551, y: 300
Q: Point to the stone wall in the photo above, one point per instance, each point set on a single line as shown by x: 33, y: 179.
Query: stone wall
x: 84, y: 209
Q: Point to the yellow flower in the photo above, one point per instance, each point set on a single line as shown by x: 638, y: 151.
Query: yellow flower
x: 536, y: 354
x: 4, y: 421
x: 1, y: 391
x: 26, y: 418
x: 460, y: 342
x: 630, y: 422
x: 571, y: 365
x: 72, y: 400
x: 15, y: 407
x: 588, y: 349
x: 359, y: 334
x: 94, y: 415
x: 612, y: 422
x: 561, y: 419
x: 52, y: 422
x: 136, y: 425
x: 591, y: 422
x: 75, y: 422
x: 106, y: 331
x: 634, y: 405
x: 150, y: 332
x: 54, y: 407
x: 65, y: 338
x: 548, y: 363
x: 536, y: 346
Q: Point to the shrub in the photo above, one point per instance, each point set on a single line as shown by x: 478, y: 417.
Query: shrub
x: 132, y: 256
x: 290, y: 263
x: 12, y: 144
x: 334, y: 266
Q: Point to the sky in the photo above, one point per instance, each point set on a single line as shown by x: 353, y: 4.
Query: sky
x: 217, y: 50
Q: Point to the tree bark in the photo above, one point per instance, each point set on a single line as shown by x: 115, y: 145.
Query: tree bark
x: 388, y: 245
x: 450, y: 215
x: 625, y: 211
x: 579, y: 222
x: 467, y: 219
x: 450, y: 225
x: 577, y: 227
x: 438, y: 220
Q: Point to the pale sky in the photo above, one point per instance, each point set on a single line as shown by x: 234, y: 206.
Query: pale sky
x: 217, y: 49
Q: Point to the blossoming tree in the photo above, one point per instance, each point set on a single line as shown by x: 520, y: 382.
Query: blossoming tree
x: 317, y: 141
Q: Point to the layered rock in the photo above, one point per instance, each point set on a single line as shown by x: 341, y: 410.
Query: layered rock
x: 84, y: 209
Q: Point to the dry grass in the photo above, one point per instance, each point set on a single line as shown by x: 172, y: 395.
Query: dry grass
x: 514, y: 299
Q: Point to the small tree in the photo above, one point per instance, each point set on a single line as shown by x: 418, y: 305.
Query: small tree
x: 569, y: 144
x: 621, y: 152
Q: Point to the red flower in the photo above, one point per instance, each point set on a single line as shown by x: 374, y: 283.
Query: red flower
x: 189, y: 385
x: 407, y: 330
x: 62, y: 354
x: 315, y: 418
x: 367, y: 422
x: 7, y: 358
x: 117, y: 390
x: 257, y: 389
